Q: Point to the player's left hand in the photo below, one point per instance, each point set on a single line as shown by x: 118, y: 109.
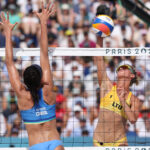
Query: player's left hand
x: 46, y: 12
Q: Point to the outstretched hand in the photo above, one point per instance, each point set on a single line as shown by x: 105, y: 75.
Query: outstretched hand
x: 46, y: 12
x: 6, y: 23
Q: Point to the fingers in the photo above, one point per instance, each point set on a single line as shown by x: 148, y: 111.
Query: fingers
x: 7, y: 16
x: 48, y: 5
x: 1, y: 23
x: 123, y: 94
x: 42, y: 5
x: 3, y: 17
x: 14, y: 25
x: 52, y: 10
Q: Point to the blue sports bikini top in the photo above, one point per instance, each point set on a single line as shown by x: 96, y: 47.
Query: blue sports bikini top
x: 39, y: 113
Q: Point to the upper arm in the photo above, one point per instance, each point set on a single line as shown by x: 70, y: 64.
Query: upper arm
x: 135, y: 106
x: 101, y: 72
x: 101, y: 68
x: 49, y: 95
x: 46, y: 70
x: 14, y: 78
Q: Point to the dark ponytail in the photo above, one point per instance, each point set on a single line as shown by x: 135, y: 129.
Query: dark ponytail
x: 34, y: 94
x: 32, y: 79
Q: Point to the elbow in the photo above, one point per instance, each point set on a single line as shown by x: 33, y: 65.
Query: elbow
x: 133, y: 121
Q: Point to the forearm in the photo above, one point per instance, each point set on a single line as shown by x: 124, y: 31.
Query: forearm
x: 101, y: 70
x: 44, y: 59
x: 129, y: 113
x: 100, y: 63
x: 44, y: 39
x: 9, y: 48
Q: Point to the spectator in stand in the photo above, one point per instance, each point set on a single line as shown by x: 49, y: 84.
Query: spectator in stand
x: 77, y: 82
x: 74, y: 121
x: 59, y: 125
x: 87, y: 42
x: 143, y: 124
x: 2, y: 39
x: 62, y: 111
x: 14, y: 16
x: 30, y: 23
x: 84, y: 127
x: 7, y: 100
x: 111, y: 72
x: 65, y: 16
x: 15, y: 127
x: 2, y: 125
x: 57, y: 76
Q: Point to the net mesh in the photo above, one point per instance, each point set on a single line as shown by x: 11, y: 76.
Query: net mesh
x: 75, y: 79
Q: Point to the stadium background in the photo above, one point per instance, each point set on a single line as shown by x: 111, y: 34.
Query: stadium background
x: 75, y: 77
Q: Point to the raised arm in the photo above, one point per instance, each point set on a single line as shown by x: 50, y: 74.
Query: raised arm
x: 44, y: 59
x: 12, y: 71
x: 101, y: 68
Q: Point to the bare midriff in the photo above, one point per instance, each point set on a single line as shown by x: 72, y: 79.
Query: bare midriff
x: 110, y: 127
x: 39, y: 133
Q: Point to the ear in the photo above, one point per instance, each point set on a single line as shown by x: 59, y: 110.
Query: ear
x: 132, y: 76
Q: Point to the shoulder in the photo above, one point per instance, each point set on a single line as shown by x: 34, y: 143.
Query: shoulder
x: 107, y: 85
x: 22, y: 91
x: 49, y: 94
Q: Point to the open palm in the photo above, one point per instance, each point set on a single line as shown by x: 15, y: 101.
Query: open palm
x: 6, y: 23
x: 46, y: 12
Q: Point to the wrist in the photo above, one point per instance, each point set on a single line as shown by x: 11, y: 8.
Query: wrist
x: 43, y: 22
x: 8, y: 32
x: 123, y: 102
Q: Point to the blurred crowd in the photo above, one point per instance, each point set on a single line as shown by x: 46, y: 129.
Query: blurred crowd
x: 75, y: 78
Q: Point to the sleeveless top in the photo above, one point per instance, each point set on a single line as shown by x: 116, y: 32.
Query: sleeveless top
x: 111, y: 102
x: 40, y: 112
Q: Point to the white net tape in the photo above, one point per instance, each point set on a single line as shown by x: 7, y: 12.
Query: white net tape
x: 81, y: 51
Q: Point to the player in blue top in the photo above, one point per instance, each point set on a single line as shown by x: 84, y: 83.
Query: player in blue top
x: 36, y: 99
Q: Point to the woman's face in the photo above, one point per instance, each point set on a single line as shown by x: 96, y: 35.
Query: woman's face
x: 66, y: 12
x: 124, y: 72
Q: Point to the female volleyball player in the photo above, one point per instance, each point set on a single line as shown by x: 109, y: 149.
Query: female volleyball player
x: 36, y: 99
x: 117, y: 104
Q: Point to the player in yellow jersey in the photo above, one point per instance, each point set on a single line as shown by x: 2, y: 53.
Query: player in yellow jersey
x: 117, y: 104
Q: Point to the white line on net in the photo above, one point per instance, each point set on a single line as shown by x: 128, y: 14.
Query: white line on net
x: 61, y: 51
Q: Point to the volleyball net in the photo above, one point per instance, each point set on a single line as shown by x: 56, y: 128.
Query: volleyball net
x: 75, y: 79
